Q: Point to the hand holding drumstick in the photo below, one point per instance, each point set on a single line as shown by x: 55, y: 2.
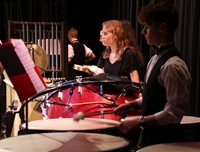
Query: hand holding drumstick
x: 90, y: 69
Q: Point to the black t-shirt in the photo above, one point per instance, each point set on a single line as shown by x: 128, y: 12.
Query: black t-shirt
x: 123, y: 67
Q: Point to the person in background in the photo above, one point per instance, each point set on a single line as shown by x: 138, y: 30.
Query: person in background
x: 167, y: 80
x: 100, y: 36
x: 78, y: 53
x: 133, y: 41
x: 120, y: 57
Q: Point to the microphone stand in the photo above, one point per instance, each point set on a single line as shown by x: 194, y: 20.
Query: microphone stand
x: 102, y: 95
x: 70, y: 96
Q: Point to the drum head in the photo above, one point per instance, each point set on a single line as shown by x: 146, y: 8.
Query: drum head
x: 68, y: 124
x: 190, y: 120
x: 59, y: 142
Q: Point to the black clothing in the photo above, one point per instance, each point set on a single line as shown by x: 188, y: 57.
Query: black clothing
x: 157, y: 95
x: 123, y: 67
x: 79, y: 58
x: 154, y: 100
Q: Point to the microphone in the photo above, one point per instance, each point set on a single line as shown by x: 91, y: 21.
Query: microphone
x: 71, y: 90
x: 70, y: 95
x: 60, y: 93
x: 79, y: 79
x: 81, y: 115
x: 79, y: 89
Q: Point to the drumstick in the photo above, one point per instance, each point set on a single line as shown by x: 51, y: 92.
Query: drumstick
x: 94, y: 102
x: 81, y: 115
x: 81, y: 103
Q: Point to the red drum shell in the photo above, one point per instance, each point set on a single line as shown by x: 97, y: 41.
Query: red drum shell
x: 88, y: 102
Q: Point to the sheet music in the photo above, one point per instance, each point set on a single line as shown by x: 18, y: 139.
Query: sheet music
x: 26, y: 60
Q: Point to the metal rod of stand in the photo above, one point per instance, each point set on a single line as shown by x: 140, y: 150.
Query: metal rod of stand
x: 26, y: 130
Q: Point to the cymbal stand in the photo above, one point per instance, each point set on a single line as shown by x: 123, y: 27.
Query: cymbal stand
x: 31, y: 51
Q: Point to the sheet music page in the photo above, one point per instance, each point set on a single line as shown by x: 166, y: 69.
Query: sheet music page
x: 25, y: 58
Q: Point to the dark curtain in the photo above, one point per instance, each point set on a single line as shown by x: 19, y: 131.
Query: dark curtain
x: 188, y: 41
x: 88, y: 15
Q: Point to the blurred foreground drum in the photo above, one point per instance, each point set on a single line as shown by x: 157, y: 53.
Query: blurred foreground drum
x: 87, y: 98
x: 190, y: 120
x: 191, y: 127
x: 173, y: 147
x: 60, y: 142
x: 189, y: 131
x: 93, y: 125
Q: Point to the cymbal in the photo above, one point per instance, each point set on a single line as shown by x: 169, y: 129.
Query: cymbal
x: 39, y: 56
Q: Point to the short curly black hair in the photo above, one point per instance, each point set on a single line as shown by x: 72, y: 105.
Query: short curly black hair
x: 159, y: 13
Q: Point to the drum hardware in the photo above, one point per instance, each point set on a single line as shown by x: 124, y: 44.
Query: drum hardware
x: 70, y: 96
x: 122, y: 92
x: 139, y: 143
x: 79, y: 79
x: 60, y: 94
x: 44, y: 114
x: 103, y: 95
x: 25, y: 104
x: 58, y: 80
x: 10, y: 116
x: 71, y: 84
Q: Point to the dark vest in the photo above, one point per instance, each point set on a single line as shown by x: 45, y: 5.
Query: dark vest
x: 79, y: 58
x: 153, y: 93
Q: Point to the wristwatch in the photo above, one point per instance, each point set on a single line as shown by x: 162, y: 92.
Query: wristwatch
x: 142, y: 121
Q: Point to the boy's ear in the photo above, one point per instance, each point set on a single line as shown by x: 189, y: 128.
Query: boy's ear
x: 163, y: 27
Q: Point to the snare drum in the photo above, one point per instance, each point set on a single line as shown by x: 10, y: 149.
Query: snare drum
x: 68, y: 141
x: 85, y: 98
x: 93, y: 125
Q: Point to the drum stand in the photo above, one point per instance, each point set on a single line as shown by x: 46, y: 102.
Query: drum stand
x: 9, y: 117
x: 139, y: 143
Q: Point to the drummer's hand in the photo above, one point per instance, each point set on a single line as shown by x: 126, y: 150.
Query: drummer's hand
x: 129, y: 124
x: 122, y: 110
x: 88, y: 69
x: 93, y: 69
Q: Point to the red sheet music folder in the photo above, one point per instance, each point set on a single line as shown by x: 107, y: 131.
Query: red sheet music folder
x: 20, y: 68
